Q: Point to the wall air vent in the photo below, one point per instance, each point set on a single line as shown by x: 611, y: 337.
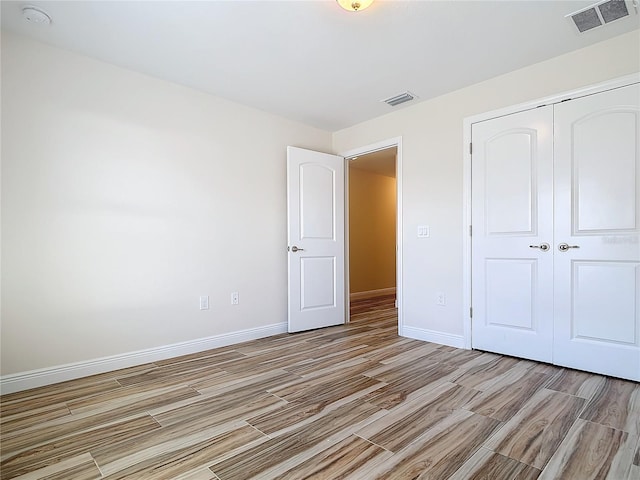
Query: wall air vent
x: 398, y: 99
x: 601, y: 13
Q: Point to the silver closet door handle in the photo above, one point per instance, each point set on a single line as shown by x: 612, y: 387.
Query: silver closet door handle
x: 563, y: 247
x: 543, y: 246
x: 296, y: 249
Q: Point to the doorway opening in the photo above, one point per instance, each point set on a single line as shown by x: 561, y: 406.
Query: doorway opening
x: 372, y: 231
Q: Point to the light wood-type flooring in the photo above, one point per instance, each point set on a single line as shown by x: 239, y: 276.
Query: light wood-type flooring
x: 353, y: 401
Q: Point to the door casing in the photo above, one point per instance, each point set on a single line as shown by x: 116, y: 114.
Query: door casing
x: 374, y: 147
x: 467, y: 123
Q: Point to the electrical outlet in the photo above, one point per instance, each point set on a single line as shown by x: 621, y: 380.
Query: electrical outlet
x: 440, y: 299
x: 204, y: 302
x: 235, y: 298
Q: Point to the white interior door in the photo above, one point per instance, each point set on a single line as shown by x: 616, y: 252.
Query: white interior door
x: 597, y: 215
x: 512, y: 216
x: 315, y: 218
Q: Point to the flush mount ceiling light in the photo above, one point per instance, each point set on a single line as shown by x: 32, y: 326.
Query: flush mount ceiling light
x: 354, y: 5
x: 35, y: 15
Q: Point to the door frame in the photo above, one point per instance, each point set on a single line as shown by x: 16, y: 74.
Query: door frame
x: 355, y: 152
x: 466, y: 168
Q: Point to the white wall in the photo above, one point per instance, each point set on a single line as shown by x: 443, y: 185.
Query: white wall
x: 432, y: 156
x: 125, y: 198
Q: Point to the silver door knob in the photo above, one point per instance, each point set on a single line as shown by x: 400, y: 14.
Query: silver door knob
x: 563, y: 247
x: 543, y: 246
x: 296, y: 249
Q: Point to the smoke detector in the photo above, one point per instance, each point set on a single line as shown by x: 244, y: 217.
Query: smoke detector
x: 35, y: 15
x: 602, y: 12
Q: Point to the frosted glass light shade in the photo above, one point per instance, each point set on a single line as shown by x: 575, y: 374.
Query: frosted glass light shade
x: 354, y: 5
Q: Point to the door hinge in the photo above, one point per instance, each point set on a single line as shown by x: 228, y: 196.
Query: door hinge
x: 470, y: 230
x: 470, y: 148
x: 470, y: 312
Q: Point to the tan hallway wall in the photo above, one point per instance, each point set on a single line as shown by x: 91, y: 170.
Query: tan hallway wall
x: 372, y: 231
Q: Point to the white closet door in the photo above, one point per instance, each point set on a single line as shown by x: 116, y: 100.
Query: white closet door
x: 512, y: 215
x: 597, y: 215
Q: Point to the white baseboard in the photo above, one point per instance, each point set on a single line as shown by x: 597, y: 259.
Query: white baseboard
x: 433, y: 336
x: 46, y: 376
x: 372, y: 293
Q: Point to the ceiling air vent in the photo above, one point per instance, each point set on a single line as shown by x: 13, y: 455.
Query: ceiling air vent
x: 599, y: 14
x: 398, y: 99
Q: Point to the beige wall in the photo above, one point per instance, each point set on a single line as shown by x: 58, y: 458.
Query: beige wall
x: 372, y: 231
x: 432, y: 169
x: 125, y: 198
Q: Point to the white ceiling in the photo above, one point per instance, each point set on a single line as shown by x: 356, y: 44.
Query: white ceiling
x: 311, y: 61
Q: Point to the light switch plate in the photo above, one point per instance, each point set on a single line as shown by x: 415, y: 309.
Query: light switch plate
x: 423, y: 231
x: 204, y: 302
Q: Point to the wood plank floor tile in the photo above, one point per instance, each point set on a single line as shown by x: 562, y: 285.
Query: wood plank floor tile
x: 406, y: 387
x: 440, y: 452
x: 324, y: 351
x: 164, y: 376
x: 74, y: 445
x: 127, y: 394
x: 503, y: 379
x: 479, y: 374
x: 411, y: 355
x: 338, y: 461
x: 25, y: 419
x: 199, y: 474
x: 342, y: 334
x: 115, y: 456
x: 409, y: 363
x: 401, y: 426
x: 209, y: 357
x: 66, y: 426
x: 397, y: 348
x: 533, y: 434
x: 169, y: 461
x: 252, y: 462
x: 575, y: 382
x: 222, y: 380
x: 253, y: 384
x: 40, y: 397
x: 488, y: 465
x: 503, y: 403
x: 299, y: 413
x: 460, y: 357
x: 81, y: 467
x: 591, y: 451
x: 328, y: 391
x: 221, y: 409
x: 313, y: 365
x: 352, y: 367
x: 616, y: 404
x: 275, y: 341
